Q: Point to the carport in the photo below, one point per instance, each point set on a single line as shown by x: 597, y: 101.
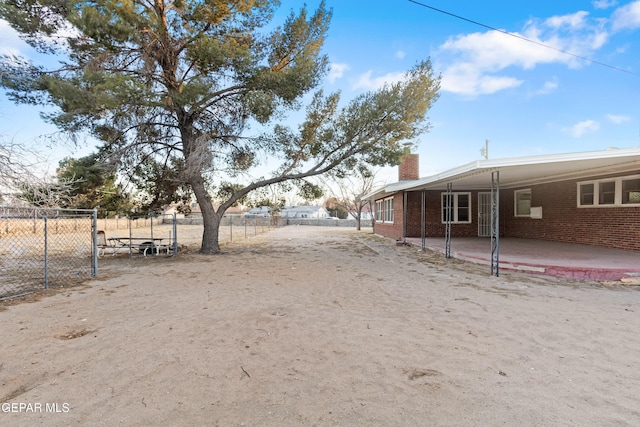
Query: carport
x: 492, y: 176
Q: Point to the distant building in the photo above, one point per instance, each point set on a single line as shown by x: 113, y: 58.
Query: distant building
x: 304, y: 212
x: 259, y: 212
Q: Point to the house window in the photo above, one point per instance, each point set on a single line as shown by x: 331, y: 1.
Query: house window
x: 384, y: 210
x: 609, y: 192
x: 586, y: 195
x: 388, y: 209
x: 460, y: 207
x: 522, y: 202
x: 631, y: 191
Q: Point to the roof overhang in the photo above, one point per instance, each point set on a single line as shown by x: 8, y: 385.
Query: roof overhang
x: 524, y: 171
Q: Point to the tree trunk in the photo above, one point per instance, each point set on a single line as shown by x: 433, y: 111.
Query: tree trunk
x: 210, y: 218
x: 210, y: 235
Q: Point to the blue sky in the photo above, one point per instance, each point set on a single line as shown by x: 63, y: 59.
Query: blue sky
x: 524, y: 98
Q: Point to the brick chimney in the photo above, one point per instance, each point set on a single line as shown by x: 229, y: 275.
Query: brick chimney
x: 408, y: 169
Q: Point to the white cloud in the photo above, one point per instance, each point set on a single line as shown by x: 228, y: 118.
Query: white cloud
x: 626, y: 17
x: 401, y: 54
x: 574, y: 20
x: 604, y: 4
x: 617, y: 119
x: 581, y: 128
x: 548, y: 87
x: 365, y: 81
x: 470, y: 61
x: 337, y: 71
x: 467, y: 81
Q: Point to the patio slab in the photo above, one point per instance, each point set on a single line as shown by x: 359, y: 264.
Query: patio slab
x: 575, y: 261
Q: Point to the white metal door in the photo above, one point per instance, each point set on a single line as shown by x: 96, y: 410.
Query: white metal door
x: 484, y: 214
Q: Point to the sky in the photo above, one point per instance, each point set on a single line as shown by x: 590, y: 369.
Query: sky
x: 573, y: 87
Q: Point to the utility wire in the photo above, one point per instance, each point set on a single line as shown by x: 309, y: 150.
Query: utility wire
x: 593, y: 61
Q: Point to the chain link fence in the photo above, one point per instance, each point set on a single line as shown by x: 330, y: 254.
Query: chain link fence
x: 43, y: 248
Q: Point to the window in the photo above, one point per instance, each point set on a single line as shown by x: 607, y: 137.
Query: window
x: 586, y: 195
x: 384, y: 210
x: 631, y: 191
x: 388, y: 209
x: 609, y: 192
x: 460, y: 207
x: 522, y: 202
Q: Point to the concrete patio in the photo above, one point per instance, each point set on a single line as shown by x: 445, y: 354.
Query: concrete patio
x: 569, y: 260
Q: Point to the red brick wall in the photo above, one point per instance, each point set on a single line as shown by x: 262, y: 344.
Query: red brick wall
x: 434, y: 225
x: 394, y: 230
x: 563, y: 221
x: 433, y: 214
x: 558, y: 201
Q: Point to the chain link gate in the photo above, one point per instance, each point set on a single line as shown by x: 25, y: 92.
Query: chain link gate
x: 42, y: 248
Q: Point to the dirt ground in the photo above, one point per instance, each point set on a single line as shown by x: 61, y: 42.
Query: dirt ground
x: 320, y: 326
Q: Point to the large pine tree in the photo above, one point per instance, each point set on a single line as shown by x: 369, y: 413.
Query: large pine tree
x: 176, y: 83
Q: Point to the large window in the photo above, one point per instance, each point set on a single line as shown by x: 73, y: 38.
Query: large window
x: 384, y: 210
x: 522, y: 202
x: 609, y: 192
x: 460, y: 207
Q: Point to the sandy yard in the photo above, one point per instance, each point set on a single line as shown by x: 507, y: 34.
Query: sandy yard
x: 320, y: 326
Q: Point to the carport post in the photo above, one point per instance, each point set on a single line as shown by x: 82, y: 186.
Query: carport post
x: 404, y: 217
x: 495, y: 223
x: 423, y: 226
x: 448, y: 213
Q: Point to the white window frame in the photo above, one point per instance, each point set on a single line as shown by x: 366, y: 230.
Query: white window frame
x: 618, y: 197
x: 454, y: 219
x: 379, y: 210
x: 516, y: 193
x: 384, y: 210
x: 388, y: 210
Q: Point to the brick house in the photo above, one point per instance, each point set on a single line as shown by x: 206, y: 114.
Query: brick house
x: 588, y: 198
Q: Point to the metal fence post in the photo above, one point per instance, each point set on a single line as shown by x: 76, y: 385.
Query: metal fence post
x: 94, y: 232
x: 175, y: 234
x: 46, y: 253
